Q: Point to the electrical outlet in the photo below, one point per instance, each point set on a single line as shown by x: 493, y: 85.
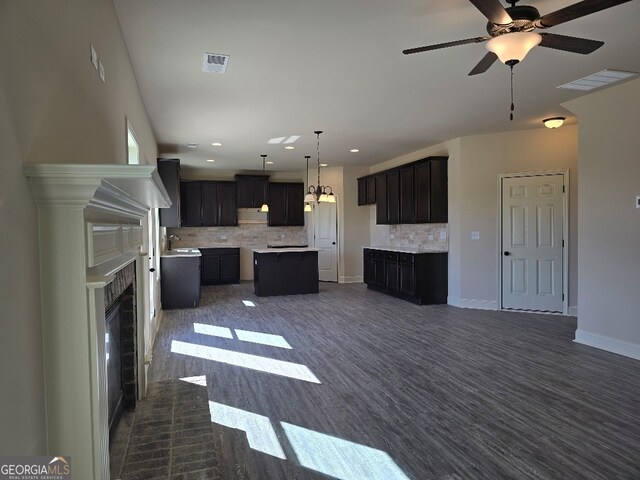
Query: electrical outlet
x: 443, y: 235
x: 94, y: 57
x: 430, y: 237
x: 101, y: 70
x: 392, y: 236
x: 223, y: 237
x: 475, y: 235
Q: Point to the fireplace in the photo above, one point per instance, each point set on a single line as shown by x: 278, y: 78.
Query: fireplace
x: 92, y: 257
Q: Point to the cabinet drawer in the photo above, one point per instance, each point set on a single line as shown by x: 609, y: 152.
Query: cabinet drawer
x: 391, y: 256
x: 219, y: 251
x: 406, y: 258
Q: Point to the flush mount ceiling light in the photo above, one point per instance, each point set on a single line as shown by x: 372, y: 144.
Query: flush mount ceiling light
x: 553, y: 122
x: 210, y: 160
x: 319, y: 193
x: 354, y: 150
x: 216, y: 144
x: 264, y: 207
x: 289, y: 147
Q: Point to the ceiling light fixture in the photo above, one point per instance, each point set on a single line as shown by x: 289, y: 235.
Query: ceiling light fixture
x: 192, y: 145
x: 269, y: 163
x: 319, y: 193
x: 511, y: 48
x: 554, y: 122
x: 210, y: 160
x: 289, y: 147
x: 216, y: 144
x: 309, y: 196
x: 265, y: 206
x: 354, y: 150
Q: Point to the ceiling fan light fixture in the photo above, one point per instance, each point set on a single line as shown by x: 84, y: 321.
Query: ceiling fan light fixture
x: 554, y: 122
x: 513, y: 47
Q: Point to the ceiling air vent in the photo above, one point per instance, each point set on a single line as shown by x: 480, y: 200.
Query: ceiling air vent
x: 215, y: 63
x: 597, y: 80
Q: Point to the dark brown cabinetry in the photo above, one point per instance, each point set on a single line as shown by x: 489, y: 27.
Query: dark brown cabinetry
x: 413, y: 193
x: 286, y: 204
x: 220, y: 266
x: 417, y: 277
x: 169, y: 171
x: 208, y: 204
x: 252, y: 190
x: 367, y: 190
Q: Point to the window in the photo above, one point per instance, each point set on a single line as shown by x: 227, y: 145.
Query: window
x: 133, y: 151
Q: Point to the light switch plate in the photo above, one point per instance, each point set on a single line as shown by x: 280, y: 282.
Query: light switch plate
x: 430, y: 237
x: 475, y: 235
x: 638, y: 201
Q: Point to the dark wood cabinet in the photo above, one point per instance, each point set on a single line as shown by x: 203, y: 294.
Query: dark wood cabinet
x: 407, y: 195
x: 252, y: 190
x: 220, y: 266
x: 381, y: 199
x: 169, y: 171
x: 439, y: 212
x: 420, y: 278
x: 362, y: 191
x: 422, y: 173
x: 393, y: 197
x: 208, y: 204
x: 367, y: 190
x: 285, y: 273
x: 286, y: 204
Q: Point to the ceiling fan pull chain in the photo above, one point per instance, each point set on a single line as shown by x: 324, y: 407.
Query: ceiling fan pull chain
x: 512, y: 107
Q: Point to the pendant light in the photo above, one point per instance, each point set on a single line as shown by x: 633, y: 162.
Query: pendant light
x: 264, y: 207
x: 308, y: 198
x: 319, y: 193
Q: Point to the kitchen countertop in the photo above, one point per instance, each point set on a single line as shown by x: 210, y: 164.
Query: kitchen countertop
x: 285, y: 250
x: 408, y: 249
x: 181, y: 252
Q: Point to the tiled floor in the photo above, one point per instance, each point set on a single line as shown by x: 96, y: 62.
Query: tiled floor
x: 168, y: 436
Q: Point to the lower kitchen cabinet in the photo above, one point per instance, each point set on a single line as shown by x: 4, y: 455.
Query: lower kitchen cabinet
x: 420, y: 278
x: 220, y: 266
x: 180, y: 281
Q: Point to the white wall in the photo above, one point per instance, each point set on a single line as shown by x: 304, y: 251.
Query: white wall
x: 53, y: 109
x: 609, y: 222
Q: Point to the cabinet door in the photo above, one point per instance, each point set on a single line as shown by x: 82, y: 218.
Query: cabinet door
x: 393, y: 197
x: 381, y: 199
x: 277, y: 204
x: 169, y: 171
x: 295, y: 204
x: 369, y: 271
x: 190, y: 204
x: 423, y: 192
x: 210, y: 269
x: 407, y: 279
x: 439, y: 191
x: 228, y: 208
x: 407, y: 195
x: 245, y: 187
x: 380, y: 272
x: 230, y: 268
x: 210, y: 204
x: 362, y: 191
x: 393, y: 275
x: 371, y: 190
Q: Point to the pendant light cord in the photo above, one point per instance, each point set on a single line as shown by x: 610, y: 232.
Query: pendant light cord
x: 512, y: 107
x: 318, y: 151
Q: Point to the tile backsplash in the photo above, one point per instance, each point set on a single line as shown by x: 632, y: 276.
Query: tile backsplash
x: 429, y: 235
x: 249, y: 235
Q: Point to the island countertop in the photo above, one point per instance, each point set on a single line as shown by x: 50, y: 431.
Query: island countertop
x: 285, y: 250
x: 409, y: 249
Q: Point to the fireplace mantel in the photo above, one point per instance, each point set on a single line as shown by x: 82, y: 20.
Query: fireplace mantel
x: 89, y: 222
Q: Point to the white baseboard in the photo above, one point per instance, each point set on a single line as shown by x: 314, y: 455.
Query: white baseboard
x: 473, y: 303
x: 572, y: 311
x: 356, y: 279
x: 610, y: 344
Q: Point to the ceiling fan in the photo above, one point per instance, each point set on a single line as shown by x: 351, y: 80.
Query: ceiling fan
x: 511, y: 31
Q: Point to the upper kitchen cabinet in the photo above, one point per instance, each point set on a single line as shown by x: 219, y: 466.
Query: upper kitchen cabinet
x: 412, y: 193
x: 286, y: 204
x: 169, y: 171
x: 367, y: 190
x: 252, y: 190
x: 209, y: 204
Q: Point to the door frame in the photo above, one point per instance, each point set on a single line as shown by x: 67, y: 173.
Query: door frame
x: 565, y: 236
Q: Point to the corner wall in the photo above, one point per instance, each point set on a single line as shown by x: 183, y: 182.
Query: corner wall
x: 609, y: 222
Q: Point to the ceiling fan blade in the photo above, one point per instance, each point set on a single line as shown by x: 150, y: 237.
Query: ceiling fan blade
x: 569, y: 44
x: 438, y: 46
x: 577, y: 10
x: 484, y: 64
x: 493, y: 11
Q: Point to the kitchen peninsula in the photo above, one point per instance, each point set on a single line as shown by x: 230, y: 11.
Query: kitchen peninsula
x: 285, y: 271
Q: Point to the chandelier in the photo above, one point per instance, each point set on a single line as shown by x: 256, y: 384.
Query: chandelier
x: 319, y: 193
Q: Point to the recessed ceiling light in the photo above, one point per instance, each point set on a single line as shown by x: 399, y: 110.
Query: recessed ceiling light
x: 269, y: 163
x: 324, y: 164
x: 289, y: 147
x: 354, y: 150
x: 210, y: 160
x: 192, y: 145
x: 216, y: 144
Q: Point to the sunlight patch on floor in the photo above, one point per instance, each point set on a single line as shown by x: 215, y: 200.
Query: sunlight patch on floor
x: 262, y: 338
x: 254, y: 362
x: 199, y: 380
x: 214, y: 331
x: 248, y: 303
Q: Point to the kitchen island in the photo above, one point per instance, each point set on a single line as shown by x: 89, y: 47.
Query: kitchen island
x: 285, y: 271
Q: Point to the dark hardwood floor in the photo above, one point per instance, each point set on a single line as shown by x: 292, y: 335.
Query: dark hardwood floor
x: 434, y: 392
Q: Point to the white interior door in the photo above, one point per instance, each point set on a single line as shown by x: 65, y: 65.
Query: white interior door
x: 325, y: 230
x: 532, y: 242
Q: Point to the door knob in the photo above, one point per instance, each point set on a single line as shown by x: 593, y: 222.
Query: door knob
x: 333, y: 243
x: 506, y: 254
x: 152, y: 270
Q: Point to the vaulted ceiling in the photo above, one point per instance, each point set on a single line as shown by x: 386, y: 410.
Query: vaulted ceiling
x: 337, y: 66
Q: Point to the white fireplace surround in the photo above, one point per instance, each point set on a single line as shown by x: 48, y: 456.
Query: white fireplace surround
x: 89, y: 222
